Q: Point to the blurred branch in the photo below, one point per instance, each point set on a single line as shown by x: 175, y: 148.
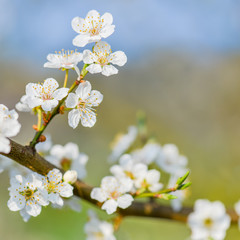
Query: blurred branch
x: 29, y: 158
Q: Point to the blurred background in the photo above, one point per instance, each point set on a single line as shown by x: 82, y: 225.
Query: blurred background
x: 183, y: 71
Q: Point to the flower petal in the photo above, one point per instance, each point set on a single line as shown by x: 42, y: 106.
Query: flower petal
x: 84, y: 90
x: 89, y: 57
x: 94, y: 68
x: 74, y: 117
x: 48, y: 105
x: 81, y: 40
x: 110, y: 206
x: 72, y: 100
x: 60, y: 93
x: 109, y: 70
x: 125, y: 201
x: 119, y: 58
x: 49, y: 85
x: 88, y: 118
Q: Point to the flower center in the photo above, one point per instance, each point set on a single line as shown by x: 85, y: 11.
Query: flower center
x: 129, y: 174
x: 52, y: 187
x: 94, y: 31
x: 103, y: 61
x: 28, y: 193
x: 46, y: 96
x: 81, y: 104
x: 114, y: 194
x: 208, y: 222
x: 66, y: 164
x: 99, y: 236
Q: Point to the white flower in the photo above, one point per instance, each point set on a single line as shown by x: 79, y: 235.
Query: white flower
x: 68, y: 157
x: 170, y: 160
x: 122, y: 142
x: 46, y: 95
x: 70, y: 176
x: 7, y: 114
x: 27, y: 194
x: 127, y: 168
x: 101, y: 58
x: 73, y: 203
x: 148, y: 154
x: 96, y: 229
x: 113, y: 193
x: 64, y: 60
x: 83, y: 102
x: 56, y: 188
x: 92, y: 28
x: 9, y: 127
x: 150, y: 181
x: 22, y: 105
x: 237, y: 209
x: 209, y: 220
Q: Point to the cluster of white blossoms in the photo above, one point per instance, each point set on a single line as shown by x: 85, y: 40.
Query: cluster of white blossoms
x: 28, y: 194
x: 209, y: 220
x: 9, y: 127
x: 68, y: 157
x: 96, y: 229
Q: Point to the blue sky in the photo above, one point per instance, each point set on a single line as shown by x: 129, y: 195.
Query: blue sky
x: 33, y: 28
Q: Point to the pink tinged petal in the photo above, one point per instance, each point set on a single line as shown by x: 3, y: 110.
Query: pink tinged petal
x: 101, y: 48
x: 16, y: 204
x: 77, y: 24
x: 33, y: 209
x: 110, y: 206
x: 119, y: 58
x: 84, y: 90
x: 60, y: 93
x: 55, y: 175
x: 74, y: 117
x: 94, y: 68
x: 55, y: 198
x: 72, y: 100
x: 99, y: 194
x: 107, y: 31
x: 50, y: 85
x: 125, y: 201
x: 107, y: 19
x: 81, y: 40
x: 95, y: 98
x: 48, y: 105
x: 89, y: 57
x: 109, y: 70
x: 65, y: 190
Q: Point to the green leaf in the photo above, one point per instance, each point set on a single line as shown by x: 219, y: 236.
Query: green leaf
x: 184, y: 186
x: 182, y: 179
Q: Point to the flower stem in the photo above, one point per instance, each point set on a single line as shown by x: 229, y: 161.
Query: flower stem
x: 66, y: 78
x: 39, y: 111
x: 56, y: 109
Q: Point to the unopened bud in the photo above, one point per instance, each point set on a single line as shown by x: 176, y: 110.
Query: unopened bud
x: 42, y: 138
x: 70, y: 176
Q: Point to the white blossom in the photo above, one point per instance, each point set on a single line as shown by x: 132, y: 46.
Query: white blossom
x: 113, y: 193
x: 237, y: 209
x: 170, y: 160
x: 73, y: 203
x: 64, y: 60
x: 102, y: 58
x: 45, y: 95
x: 150, y: 181
x: 96, y: 229
x: 209, y: 220
x: 22, y: 105
x: 68, y: 157
x: 9, y: 127
x: 27, y: 194
x: 122, y: 143
x: 92, y: 28
x: 148, y: 154
x: 56, y: 188
x: 82, y: 103
x: 127, y: 168
x: 70, y: 176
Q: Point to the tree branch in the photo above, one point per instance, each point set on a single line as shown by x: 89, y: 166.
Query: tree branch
x: 29, y: 158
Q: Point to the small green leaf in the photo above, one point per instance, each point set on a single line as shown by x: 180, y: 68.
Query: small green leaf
x: 182, y: 179
x: 166, y: 196
x: 184, y: 186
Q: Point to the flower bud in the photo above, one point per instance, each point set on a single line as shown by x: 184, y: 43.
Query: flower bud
x: 70, y: 176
